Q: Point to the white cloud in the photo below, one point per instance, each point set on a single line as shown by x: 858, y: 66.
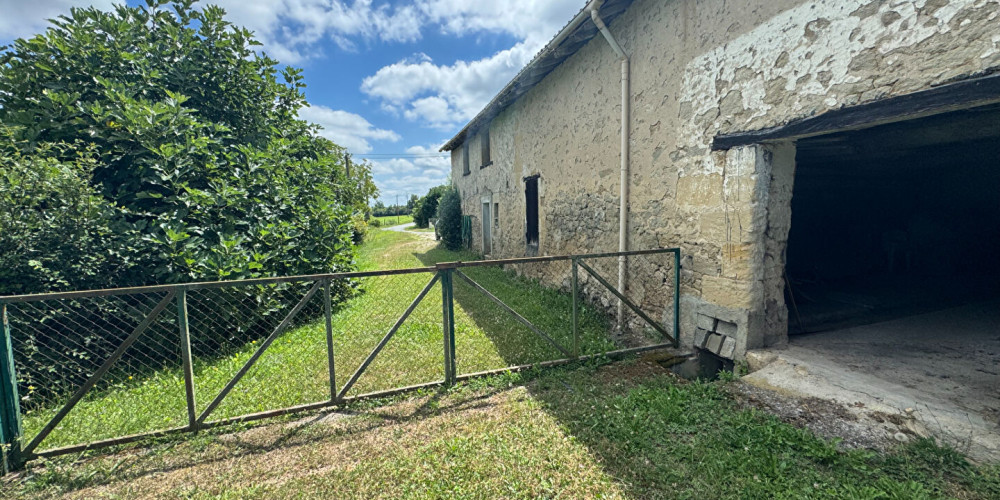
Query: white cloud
x: 431, y: 159
x: 291, y: 29
x: 434, y: 109
x: 349, y: 130
x: 536, y: 21
x: 423, y: 169
x: 404, y: 186
x: 22, y: 18
x: 445, y: 96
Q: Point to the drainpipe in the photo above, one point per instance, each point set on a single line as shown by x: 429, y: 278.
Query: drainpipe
x: 594, y: 7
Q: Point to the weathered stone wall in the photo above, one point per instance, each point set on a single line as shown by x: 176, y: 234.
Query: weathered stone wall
x: 700, y: 69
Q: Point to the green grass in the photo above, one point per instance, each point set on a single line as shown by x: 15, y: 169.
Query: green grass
x: 623, y: 430
x: 392, y: 220
x: 294, y: 369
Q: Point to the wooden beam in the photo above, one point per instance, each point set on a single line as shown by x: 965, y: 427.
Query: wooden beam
x: 951, y: 97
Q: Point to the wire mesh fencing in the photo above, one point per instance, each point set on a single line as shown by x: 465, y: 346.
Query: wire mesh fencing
x: 90, y: 369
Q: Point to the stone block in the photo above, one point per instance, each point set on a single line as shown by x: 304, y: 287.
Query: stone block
x: 726, y: 292
x: 714, y: 343
x: 706, y: 322
x: 700, y: 335
x: 699, y: 191
x: 726, y: 328
x: 713, y: 226
x: 736, y: 261
x: 728, y: 348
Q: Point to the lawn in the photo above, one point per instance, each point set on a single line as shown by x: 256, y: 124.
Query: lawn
x: 623, y: 430
x: 596, y: 430
x: 393, y: 220
x: 296, y: 363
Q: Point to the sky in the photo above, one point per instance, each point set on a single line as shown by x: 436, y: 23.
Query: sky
x: 389, y: 80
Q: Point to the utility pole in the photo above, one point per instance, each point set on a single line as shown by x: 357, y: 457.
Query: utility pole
x: 397, y: 209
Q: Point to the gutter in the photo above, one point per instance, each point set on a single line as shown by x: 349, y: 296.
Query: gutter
x: 594, y: 8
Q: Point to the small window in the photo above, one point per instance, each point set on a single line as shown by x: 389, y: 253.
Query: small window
x: 531, y: 211
x: 484, y: 142
x: 496, y: 216
x: 465, y: 160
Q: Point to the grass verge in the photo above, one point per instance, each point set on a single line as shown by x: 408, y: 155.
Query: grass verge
x: 392, y: 220
x: 294, y: 369
x: 623, y: 430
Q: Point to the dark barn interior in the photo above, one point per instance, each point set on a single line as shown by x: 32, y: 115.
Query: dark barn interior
x: 895, y: 220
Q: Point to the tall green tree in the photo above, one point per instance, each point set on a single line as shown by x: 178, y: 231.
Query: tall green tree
x: 426, y: 207
x: 192, y: 143
x: 449, y: 214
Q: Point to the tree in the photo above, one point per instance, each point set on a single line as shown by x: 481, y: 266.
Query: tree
x: 449, y: 214
x: 191, y: 140
x: 151, y: 145
x: 426, y: 206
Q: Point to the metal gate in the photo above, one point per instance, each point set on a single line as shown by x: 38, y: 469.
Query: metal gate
x: 186, y: 357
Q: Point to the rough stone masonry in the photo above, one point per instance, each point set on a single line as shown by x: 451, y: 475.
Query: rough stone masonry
x: 700, y: 69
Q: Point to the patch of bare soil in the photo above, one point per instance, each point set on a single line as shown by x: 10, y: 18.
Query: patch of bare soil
x: 631, y: 373
x: 854, y: 427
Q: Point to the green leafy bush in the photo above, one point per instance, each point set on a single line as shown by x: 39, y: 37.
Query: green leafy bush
x: 426, y: 206
x: 449, y: 214
x: 55, y: 227
x: 192, y: 142
x: 148, y: 145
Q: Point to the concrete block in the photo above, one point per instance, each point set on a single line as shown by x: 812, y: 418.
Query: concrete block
x: 714, y: 343
x: 706, y: 322
x: 728, y: 348
x: 700, y: 335
x: 726, y: 328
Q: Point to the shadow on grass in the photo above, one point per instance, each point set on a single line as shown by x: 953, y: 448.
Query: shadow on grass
x: 662, y: 437
x: 548, y: 309
x: 656, y: 436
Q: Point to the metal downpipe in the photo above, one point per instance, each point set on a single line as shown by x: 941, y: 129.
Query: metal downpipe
x: 594, y: 7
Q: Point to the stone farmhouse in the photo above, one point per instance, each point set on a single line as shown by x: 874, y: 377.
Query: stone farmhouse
x: 818, y: 162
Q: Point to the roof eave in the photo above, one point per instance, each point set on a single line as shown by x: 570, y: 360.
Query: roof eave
x: 576, y: 34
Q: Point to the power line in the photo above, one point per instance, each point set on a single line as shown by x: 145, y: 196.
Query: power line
x: 404, y: 155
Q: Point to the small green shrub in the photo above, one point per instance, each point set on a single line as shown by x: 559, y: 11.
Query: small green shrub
x: 449, y: 224
x: 427, y: 206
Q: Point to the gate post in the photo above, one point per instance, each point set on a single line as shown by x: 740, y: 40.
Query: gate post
x: 10, y: 408
x: 677, y: 297
x: 576, y: 327
x: 448, y: 322
x: 186, y: 360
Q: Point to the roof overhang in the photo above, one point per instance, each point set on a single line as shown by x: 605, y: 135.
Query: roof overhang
x: 577, y: 33
x: 957, y: 95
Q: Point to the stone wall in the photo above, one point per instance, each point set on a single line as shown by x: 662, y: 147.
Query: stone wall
x: 700, y: 69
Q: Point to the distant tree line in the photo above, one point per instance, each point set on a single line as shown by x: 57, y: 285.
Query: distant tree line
x: 380, y: 209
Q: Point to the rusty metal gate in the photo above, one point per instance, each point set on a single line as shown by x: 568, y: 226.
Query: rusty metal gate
x: 84, y: 370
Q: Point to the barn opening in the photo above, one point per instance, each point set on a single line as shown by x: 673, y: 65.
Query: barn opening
x: 893, y: 260
x: 895, y: 220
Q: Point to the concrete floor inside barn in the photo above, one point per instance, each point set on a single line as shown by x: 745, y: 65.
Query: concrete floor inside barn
x: 932, y: 374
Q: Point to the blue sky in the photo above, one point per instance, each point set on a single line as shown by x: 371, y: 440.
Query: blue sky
x: 389, y: 80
